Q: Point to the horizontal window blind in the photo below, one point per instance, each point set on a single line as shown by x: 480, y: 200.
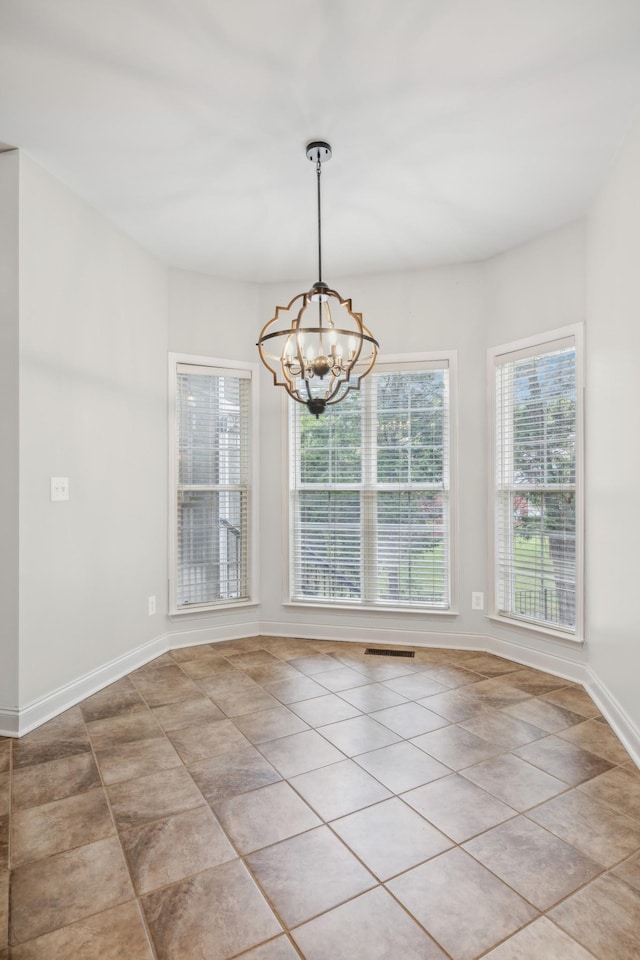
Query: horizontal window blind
x: 212, y: 470
x: 535, y: 468
x: 369, y: 493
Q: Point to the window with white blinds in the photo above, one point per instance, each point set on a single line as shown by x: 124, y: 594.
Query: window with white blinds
x: 536, y: 473
x: 370, y: 493
x: 211, y: 451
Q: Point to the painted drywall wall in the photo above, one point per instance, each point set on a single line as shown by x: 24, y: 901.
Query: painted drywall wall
x: 613, y: 429
x: 9, y: 429
x: 536, y: 287
x: 408, y: 312
x: 531, y: 290
x: 93, y: 344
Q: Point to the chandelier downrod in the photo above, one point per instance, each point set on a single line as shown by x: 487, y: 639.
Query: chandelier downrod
x: 318, y: 363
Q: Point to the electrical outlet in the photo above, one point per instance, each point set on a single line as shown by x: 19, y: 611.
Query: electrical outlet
x: 152, y: 606
x: 59, y: 488
x: 477, y: 601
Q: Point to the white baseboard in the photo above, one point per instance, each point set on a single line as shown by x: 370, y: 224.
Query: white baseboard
x: 625, y: 730
x: 56, y: 702
x: 15, y: 723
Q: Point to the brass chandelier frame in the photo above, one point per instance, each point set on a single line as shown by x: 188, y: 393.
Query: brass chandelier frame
x: 341, y: 355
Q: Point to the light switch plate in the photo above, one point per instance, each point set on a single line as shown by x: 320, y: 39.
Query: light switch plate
x: 59, y: 488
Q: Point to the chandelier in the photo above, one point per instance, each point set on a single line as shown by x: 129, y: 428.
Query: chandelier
x: 317, y: 347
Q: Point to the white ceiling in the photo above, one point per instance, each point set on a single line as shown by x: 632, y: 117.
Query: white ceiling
x: 459, y: 127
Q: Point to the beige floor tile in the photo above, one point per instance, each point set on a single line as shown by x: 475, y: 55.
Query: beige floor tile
x: 252, y: 658
x: 278, y: 949
x: 67, y: 887
x: 63, y: 736
x: 457, y: 807
x: 501, y: 730
x: 206, y: 667
x: 619, y: 788
x: 54, y: 780
x: 629, y: 871
x: 539, y: 866
x: 123, y: 729
x: 373, y: 926
x: 535, y: 682
x: 4, y: 909
x: 199, y: 651
x: 264, y: 816
x: 338, y: 789
x: 563, y: 760
x: 165, y: 685
x: 371, y: 697
x: 496, y: 692
x: 452, y: 676
x: 541, y: 940
x: 544, y: 715
x: 308, y: 874
x: 185, y: 713
x: 5, y: 755
x: 300, y: 752
x: 165, y: 660
x: 390, y: 837
x: 455, y: 746
x: 272, y: 672
x: 489, y: 665
x: 135, y: 802
x: 386, y: 668
x: 401, y: 766
x: 344, y: 678
x: 409, y: 719
x: 575, y: 699
x: 270, y: 724
x: 314, y: 664
x: 165, y: 851
x: 359, y: 735
x: 200, y: 741
x: 5, y: 794
x: 598, y: 831
x: 326, y: 709
x: 292, y: 691
x: 136, y: 759
x: 482, y: 912
x: 514, y: 781
x: 415, y: 686
x: 455, y: 705
x: 598, y: 738
x: 604, y: 917
x: 238, y: 701
x: 118, y: 698
x: 39, y: 832
x: 216, y: 914
x: 112, y: 935
x: 232, y: 773
x: 4, y: 843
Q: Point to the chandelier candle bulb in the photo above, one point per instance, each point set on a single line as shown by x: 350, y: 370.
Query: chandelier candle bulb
x: 303, y: 367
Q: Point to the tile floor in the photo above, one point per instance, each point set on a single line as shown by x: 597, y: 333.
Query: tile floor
x: 273, y: 799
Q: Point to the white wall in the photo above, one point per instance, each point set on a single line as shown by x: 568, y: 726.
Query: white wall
x: 613, y: 432
x: 93, y: 344
x: 530, y: 290
x: 9, y: 429
x: 214, y: 318
x: 425, y: 311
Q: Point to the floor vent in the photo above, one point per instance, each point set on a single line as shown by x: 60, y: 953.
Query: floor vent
x: 390, y: 653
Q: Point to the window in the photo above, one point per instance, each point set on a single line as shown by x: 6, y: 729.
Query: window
x: 537, y: 492
x: 211, y: 460
x: 370, y: 497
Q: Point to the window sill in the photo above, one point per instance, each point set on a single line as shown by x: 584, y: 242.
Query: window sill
x: 361, y: 608
x: 547, y: 633
x: 204, y: 610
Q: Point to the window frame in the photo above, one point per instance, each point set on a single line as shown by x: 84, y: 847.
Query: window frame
x: 537, y: 345
x: 391, y: 362
x: 251, y: 373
